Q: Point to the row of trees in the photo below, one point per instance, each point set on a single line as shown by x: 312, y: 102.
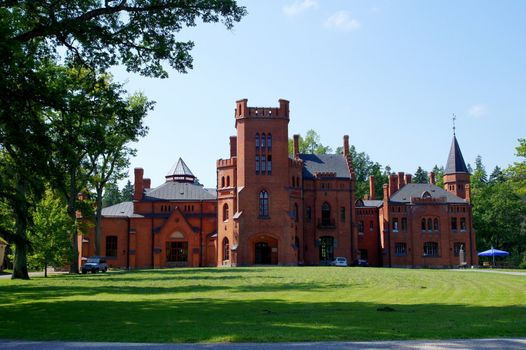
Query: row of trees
x: 65, y: 125
x: 499, y: 201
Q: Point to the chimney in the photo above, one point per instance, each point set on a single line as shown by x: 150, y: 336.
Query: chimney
x: 371, y: 187
x: 393, y: 184
x: 401, y: 180
x: 346, y: 145
x: 147, y: 183
x: 408, y: 178
x: 468, y: 193
x: 233, y: 146
x: 283, y: 108
x: 432, y: 178
x: 138, y: 184
x: 296, y: 146
x: 386, y: 192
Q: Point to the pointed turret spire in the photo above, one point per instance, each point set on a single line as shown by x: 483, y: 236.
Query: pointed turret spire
x: 180, y: 172
x: 455, y: 161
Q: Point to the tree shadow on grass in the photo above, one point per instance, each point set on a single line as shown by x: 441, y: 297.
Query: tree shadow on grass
x: 212, y: 320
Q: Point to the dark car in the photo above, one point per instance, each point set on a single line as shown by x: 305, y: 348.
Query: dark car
x: 360, y: 262
x: 94, y: 265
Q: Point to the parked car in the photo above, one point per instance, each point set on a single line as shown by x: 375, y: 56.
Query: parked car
x: 360, y: 262
x: 340, y: 261
x: 95, y: 264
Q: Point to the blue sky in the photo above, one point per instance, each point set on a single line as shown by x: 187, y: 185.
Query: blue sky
x: 388, y: 73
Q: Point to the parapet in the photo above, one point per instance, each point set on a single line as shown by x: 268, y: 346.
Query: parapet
x: 224, y: 163
x: 243, y: 111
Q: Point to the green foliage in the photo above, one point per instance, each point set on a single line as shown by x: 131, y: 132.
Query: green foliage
x: 112, y: 195
x: 439, y: 175
x: 517, y: 172
x: 420, y: 176
x: 363, y: 168
x: 50, y: 233
x: 310, y: 144
x: 265, y: 304
x: 497, y: 176
x: 127, y: 192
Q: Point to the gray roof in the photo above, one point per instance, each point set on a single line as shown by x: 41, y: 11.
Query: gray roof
x: 373, y: 203
x: 416, y: 190
x: 455, y: 161
x: 180, y: 169
x: 324, y: 163
x: 182, y: 191
x: 123, y: 209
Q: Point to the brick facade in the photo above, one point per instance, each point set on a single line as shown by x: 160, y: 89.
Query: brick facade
x: 272, y: 208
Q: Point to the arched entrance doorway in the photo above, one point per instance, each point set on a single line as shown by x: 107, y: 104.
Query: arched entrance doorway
x: 265, y: 250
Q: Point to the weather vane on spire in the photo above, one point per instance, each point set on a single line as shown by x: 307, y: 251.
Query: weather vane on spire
x: 454, y: 118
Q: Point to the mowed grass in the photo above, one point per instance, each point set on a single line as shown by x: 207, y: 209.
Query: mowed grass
x: 262, y: 304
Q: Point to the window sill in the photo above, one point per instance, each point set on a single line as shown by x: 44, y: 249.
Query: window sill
x: 264, y: 217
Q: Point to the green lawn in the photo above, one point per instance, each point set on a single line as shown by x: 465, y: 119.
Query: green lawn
x: 264, y: 304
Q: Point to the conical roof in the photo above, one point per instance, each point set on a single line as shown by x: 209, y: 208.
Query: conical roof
x: 180, y: 172
x: 455, y: 161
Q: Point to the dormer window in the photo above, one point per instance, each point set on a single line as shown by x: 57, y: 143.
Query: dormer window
x: 426, y: 195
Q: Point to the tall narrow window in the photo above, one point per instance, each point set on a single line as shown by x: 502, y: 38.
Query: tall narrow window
x: 453, y: 224
x: 371, y: 226
x: 111, y: 246
x: 269, y: 142
x: 360, y: 226
x: 296, y: 215
x: 257, y: 142
x: 325, y: 214
x: 225, y: 212
x: 263, y: 137
x: 226, y: 249
x: 222, y: 181
x: 462, y: 224
x: 263, y: 165
x: 435, y: 224
x: 423, y: 224
x: 429, y: 224
x: 269, y: 164
x: 257, y: 165
x: 395, y: 224
x: 228, y: 181
x: 263, y: 204
x: 342, y: 214
x: 400, y: 249
x: 308, y: 214
x: 404, y: 224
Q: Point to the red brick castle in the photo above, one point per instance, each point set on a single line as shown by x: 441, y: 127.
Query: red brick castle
x: 272, y: 208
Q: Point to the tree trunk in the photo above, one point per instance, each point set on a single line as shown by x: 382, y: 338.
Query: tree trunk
x: 21, y: 243
x: 98, y: 221
x: 45, y: 270
x: 72, y: 211
x: 20, y: 263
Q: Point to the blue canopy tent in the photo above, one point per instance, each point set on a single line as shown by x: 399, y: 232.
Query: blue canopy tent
x: 493, y: 253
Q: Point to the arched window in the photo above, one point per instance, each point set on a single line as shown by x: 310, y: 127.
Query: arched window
x: 228, y: 181
x: 263, y: 204
x: 226, y: 249
x: 263, y: 137
x: 222, y: 181
x: 257, y: 142
x: 429, y: 224
x: 225, y: 212
x: 325, y: 214
x: 426, y: 194
x: 269, y: 142
x: 435, y: 224
x: 423, y: 224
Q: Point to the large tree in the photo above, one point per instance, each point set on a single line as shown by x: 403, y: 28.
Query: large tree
x: 93, y: 34
x: 420, y: 176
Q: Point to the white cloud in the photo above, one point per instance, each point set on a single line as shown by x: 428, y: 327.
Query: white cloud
x: 478, y: 110
x: 299, y: 6
x: 342, y: 20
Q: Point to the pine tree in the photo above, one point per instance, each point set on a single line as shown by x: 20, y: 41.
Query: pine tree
x: 420, y: 176
x: 127, y: 192
x: 112, y: 195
